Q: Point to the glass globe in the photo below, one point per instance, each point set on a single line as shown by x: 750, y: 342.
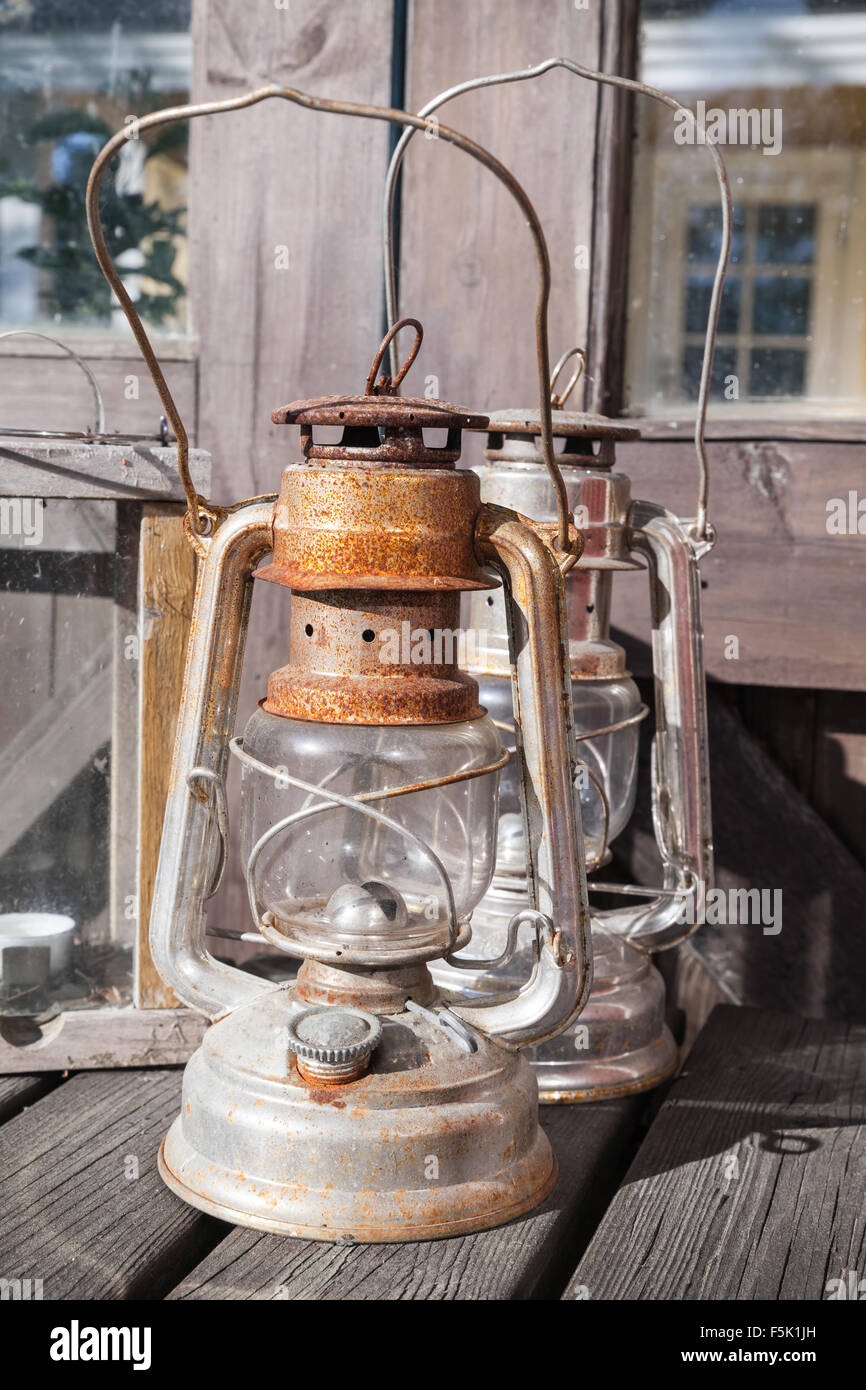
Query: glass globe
x: 337, y: 875
x: 606, y: 791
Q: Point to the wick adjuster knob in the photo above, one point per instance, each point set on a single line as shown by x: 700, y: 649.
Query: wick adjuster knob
x: 333, y: 1044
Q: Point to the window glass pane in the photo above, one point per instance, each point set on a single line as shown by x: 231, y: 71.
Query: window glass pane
x: 68, y: 571
x: 777, y: 371
x: 785, y: 234
x: 705, y: 233
x: 780, y: 87
x: 781, y: 305
x: 698, y: 291
x: 70, y: 75
x: 724, y: 365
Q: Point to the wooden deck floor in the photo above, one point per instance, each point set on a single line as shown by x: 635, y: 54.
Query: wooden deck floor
x: 749, y: 1184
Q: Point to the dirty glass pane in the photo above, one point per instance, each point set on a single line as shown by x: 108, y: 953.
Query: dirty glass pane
x: 781, y: 305
x: 67, y: 728
x: 70, y: 75
x: 785, y: 235
x: 780, y: 86
x: 777, y: 371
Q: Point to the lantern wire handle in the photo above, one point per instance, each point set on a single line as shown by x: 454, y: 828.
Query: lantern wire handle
x: 386, y: 385
x: 701, y: 532
x: 201, y: 515
x: 558, y: 398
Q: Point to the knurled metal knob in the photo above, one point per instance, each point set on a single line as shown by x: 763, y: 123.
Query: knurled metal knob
x: 333, y: 1044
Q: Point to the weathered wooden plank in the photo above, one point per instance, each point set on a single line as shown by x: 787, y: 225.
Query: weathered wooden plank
x: 750, y: 1182
x: 839, y: 782
x: 33, y: 469
x: 166, y: 590
x: 784, y: 720
x: 39, y: 391
x: 768, y: 838
x: 84, y: 1207
x: 691, y: 988
x: 468, y: 269
x: 530, y: 1258
x: 17, y: 1092
x: 285, y: 255
x: 86, y: 1039
x: 757, y: 426
x: 777, y: 581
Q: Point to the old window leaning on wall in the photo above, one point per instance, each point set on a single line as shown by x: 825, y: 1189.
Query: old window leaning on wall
x: 71, y: 74
x: 794, y: 140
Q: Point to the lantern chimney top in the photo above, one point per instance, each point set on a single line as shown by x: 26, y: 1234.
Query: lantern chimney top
x: 381, y: 427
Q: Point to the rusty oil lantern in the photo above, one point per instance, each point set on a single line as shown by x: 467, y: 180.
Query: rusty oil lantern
x: 356, y: 1102
x: 620, y: 1044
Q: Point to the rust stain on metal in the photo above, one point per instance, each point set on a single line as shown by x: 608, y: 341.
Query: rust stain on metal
x: 375, y: 537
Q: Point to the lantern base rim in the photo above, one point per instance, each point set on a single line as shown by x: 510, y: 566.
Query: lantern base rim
x: 607, y: 1078
x: 439, y: 1137
x: 504, y: 1207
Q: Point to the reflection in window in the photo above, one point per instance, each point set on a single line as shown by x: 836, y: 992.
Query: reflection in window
x: 792, y: 322
x: 765, y: 318
x: 70, y: 75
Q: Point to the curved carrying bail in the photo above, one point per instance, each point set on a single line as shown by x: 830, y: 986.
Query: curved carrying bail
x: 203, y: 517
x: 702, y: 533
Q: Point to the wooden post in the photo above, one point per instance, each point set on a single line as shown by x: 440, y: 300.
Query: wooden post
x: 166, y: 590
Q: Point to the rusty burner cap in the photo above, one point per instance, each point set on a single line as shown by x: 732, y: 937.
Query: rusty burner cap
x: 380, y: 427
x: 333, y: 1044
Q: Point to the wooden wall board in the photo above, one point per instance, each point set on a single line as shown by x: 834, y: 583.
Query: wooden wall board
x: 132, y: 405
x: 776, y: 580
x: 274, y: 187
x: 767, y: 837
x: 839, y: 782
x: 468, y: 268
